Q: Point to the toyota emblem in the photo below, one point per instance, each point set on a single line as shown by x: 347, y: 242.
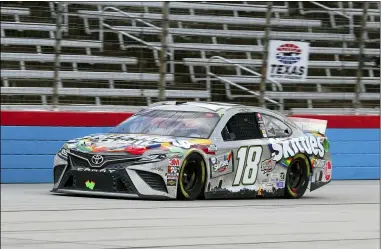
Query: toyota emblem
x: 97, y: 159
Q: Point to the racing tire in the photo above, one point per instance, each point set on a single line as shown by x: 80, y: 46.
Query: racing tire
x: 297, y: 178
x: 192, y: 178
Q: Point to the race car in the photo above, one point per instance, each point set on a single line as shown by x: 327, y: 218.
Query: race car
x: 198, y: 150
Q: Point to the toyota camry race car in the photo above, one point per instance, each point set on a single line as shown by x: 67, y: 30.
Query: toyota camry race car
x: 190, y: 150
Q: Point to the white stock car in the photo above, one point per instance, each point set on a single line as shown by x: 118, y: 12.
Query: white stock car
x: 191, y: 150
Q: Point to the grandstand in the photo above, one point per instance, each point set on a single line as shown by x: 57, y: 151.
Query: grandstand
x: 110, y: 54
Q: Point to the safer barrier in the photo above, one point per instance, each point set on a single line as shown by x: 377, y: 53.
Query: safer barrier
x: 30, y: 139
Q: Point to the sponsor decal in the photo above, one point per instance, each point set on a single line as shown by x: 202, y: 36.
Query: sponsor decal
x: 319, y: 163
x: 275, y: 177
x: 328, y: 170
x: 63, y: 152
x: 157, y: 169
x: 173, y: 172
x: 282, y: 176
x: 173, y: 169
x: 280, y: 184
x: 90, y: 184
x: 268, y: 165
x: 266, y: 180
x: 289, y: 148
x: 96, y: 170
x: 174, y: 162
x: 221, y: 163
x: 268, y: 187
x: 171, y: 182
x: 278, y: 179
x: 212, y: 148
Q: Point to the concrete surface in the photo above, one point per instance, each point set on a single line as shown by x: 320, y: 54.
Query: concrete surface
x: 341, y: 215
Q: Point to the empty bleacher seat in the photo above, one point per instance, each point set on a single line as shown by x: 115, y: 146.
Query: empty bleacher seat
x: 239, y: 33
x: 16, y: 12
x: 310, y: 80
x: 106, y: 92
x: 257, y: 63
x: 69, y: 58
x: 51, y: 43
x: 195, y: 5
x: 91, y: 59
x: 80, y: 75
x: 48, y: 27
x: 202, y: 19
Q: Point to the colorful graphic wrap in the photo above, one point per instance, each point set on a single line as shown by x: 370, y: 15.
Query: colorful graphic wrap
x: 135, y: 144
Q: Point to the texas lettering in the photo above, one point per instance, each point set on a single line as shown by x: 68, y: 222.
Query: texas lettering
x: 289, y: 148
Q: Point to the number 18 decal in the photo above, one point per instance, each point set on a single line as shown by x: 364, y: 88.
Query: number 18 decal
x: 248, y: 160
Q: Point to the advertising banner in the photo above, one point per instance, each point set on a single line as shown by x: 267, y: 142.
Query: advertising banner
x: 287, y: 60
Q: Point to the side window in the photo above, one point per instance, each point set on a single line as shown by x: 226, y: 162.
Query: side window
x: 242, y: 126
x: 275, y: 127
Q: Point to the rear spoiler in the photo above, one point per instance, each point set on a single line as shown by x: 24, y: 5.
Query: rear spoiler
x: 310, y: 125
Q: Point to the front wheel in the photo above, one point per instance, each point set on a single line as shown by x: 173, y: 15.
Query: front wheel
x: 297, y: 179
x: 192, y: 178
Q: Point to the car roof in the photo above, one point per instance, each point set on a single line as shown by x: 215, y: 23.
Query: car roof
x: 204, y: 106
x: 193, y: 106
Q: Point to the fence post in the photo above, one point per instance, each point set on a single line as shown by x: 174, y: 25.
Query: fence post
x: 57, y: 53
x: 364, y: 18
x: 163, y: 52
x: 262, y: 86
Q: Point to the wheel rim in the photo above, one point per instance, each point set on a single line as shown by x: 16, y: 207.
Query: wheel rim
x: 295, y: 175
x: 189, y: 177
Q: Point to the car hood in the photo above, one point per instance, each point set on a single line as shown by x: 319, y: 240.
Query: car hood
x: 136, y: 144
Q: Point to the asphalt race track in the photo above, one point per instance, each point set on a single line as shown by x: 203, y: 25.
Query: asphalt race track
x: 340, y: 215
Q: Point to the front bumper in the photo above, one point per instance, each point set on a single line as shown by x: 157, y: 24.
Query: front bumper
x: 138, y: 181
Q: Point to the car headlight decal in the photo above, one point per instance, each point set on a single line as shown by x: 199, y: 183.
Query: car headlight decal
x: 62, y: 153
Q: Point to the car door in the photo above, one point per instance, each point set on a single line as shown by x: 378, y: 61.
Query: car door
x: 240, y: 135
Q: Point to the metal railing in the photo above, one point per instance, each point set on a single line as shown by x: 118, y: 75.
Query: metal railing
x: 157, y: 49
x: 331, y: 12
x: 229, y: 83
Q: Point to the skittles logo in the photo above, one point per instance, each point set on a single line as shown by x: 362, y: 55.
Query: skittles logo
x: 288, y: 53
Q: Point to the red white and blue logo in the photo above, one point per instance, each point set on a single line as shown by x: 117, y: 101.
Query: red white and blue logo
x: 288, y: 53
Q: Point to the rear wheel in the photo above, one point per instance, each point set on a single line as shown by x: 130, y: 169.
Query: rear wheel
x: 297, y: 179
x: 192, y: 178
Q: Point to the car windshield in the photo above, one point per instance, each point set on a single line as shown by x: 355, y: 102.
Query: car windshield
x: 170, y: 123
